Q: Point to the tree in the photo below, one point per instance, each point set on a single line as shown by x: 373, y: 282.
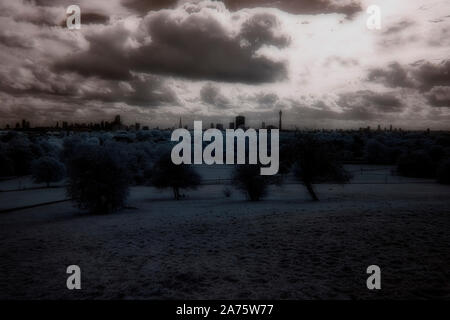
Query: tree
x: 312, y: 162
x: 417, y: 164
x: 443, y: 172
x: 98, y: 179
x: 47, y: 169
x: 377, y: 152
x: 19, y: 151
x: 248, y: 178
x: 166, y: 174
x: 6, y: 164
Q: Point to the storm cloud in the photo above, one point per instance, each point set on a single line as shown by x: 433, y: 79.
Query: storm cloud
x: 156, y: 60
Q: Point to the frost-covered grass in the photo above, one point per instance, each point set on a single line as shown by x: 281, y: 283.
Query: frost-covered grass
x: 209, y: 246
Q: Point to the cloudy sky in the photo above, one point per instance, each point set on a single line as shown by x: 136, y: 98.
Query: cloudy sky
x: 154, y: 61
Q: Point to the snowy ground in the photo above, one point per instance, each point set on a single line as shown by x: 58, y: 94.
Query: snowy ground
x: 209, y: 246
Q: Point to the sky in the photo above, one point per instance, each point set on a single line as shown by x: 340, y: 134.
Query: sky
x: 153, y: 62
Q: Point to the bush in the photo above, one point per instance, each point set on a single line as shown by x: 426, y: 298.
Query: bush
x: 416, y: 164
x: 443, y: 172
x: 248, y: 178
x: 166, y: 174
x: 47, y: 169
x: 98, y: 179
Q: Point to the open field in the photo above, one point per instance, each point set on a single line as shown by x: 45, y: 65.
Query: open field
x: 209, y: 246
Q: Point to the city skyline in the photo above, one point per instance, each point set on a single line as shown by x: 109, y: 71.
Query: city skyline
x: 116, y: 124
x: 316, y: 61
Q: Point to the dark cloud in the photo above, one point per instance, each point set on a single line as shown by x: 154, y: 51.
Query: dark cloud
x: 439, y: 96
x: 398, y: 27
x: 319, y: 110
x: 259, y: 30
x: 430, y: 74
x: 197, y: 47
x: 15, y: 40
x: 349, y: 8
x: 31, y: 12
x: 356, y: 106
x: 361, y: 101
x: 143, y: 6
x: 38, y: 81
x: 267, y: 99
x: 393, y: 76
x: 106, y: 57
x: 211, y: 94
x: 200, y: 48
x: 140, y: 90
x: 89, y: 18
x: 422, y: 75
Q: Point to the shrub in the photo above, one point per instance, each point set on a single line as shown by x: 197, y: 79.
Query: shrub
x: 443, y: 172
x: 416, y: 164
x: 166, y: 174
x: 47, y: 169
x: 98, y: 179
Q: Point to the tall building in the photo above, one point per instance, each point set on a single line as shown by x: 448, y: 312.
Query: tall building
x: 180, y: 125
x: 231, y: 125
x: 116, y: 124
x: 279, y: 121
x: 263, y: 125
x: 240, y: 122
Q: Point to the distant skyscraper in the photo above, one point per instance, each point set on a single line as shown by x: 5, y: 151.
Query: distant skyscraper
x: 180, y: 125
x: 117, y: 124
x: 240, y: 122
x: 263, y: 125
x: 231, y: 125
x: 279, y: 122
